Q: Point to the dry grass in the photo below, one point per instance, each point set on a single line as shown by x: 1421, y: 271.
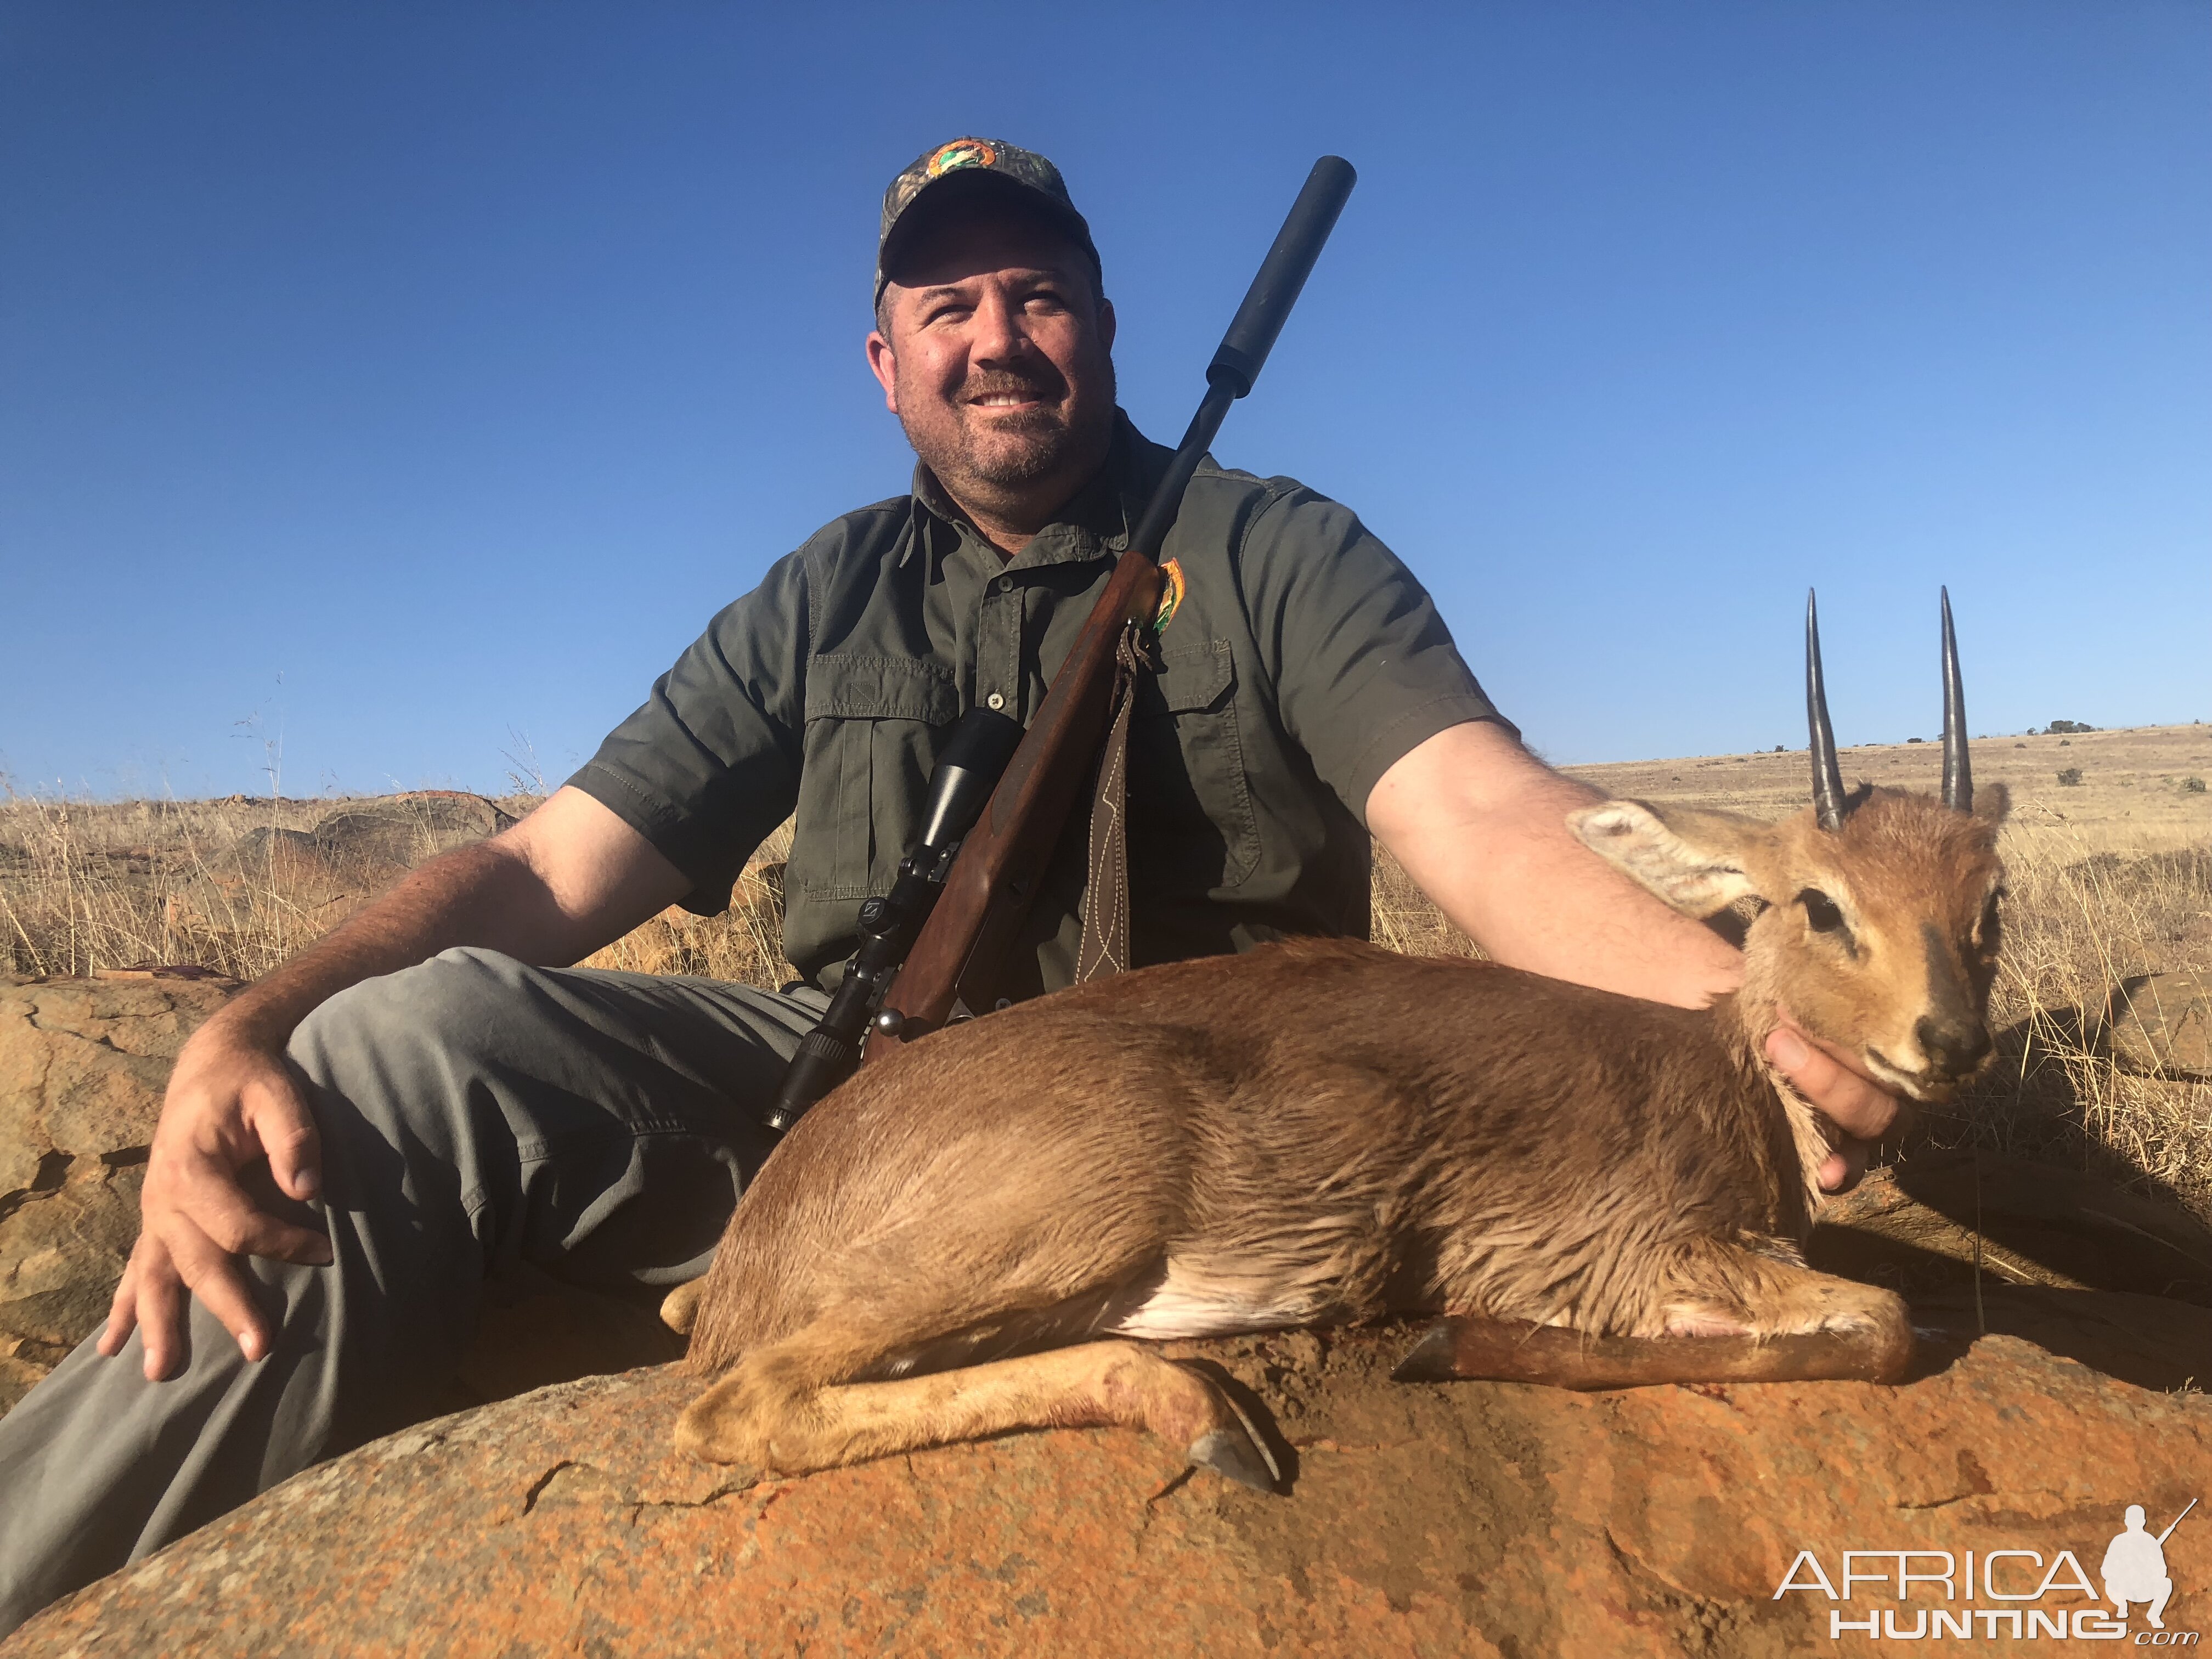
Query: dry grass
x: 234, y: 884
x: 2081, y: 920
x: 92, y: 886
x: 86, y: 885
x: 745, y: 942
x: 2109, y: 878
x: 1404, y: 920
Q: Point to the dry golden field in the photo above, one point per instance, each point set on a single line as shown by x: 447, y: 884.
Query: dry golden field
x: 2109, y: 876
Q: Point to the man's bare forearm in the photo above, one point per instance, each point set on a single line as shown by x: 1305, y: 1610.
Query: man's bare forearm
x: 1481, y: 825
x: 478, y: 895
x: 1595, y: 926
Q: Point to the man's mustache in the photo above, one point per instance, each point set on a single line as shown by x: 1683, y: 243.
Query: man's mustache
x: 1000, y: 383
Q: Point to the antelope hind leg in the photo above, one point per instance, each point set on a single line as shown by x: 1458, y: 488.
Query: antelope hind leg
x: 764, y: 1414
x: 1765, y: 1321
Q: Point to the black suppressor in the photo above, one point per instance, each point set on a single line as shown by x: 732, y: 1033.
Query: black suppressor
x: 959, y: 786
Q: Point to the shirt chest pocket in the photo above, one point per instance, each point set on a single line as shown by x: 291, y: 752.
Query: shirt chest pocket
x: 1192, y: 828
x: 873, y: 728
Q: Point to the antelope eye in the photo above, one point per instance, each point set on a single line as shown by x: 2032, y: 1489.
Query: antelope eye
x: 1992, y: 922
x: 1821, y: 910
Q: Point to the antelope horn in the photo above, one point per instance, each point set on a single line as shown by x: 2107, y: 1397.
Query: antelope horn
x: 1958, y: 775
x: 1827, y: 776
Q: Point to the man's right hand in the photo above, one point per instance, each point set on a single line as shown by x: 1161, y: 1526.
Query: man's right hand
x: 231, y: 1102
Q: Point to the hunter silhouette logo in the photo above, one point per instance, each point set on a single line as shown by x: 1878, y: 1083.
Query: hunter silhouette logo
x: 2026, y: 1596
x: 2134, y: 1567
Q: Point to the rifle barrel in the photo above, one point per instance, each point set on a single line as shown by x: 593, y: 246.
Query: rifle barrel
x: 2178, y: 1520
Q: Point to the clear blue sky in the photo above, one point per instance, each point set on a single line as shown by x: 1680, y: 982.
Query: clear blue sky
x: 402, y: 377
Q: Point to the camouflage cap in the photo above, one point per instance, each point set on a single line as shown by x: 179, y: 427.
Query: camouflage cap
x: 972, y: 161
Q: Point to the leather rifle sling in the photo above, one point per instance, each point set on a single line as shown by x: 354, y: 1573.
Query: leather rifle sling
x: 1105, y: 946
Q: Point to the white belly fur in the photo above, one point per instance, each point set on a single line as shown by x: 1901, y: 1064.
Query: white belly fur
x: 1184, y: 1304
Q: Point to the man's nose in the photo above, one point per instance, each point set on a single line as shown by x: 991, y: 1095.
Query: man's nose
x: 999, y: 334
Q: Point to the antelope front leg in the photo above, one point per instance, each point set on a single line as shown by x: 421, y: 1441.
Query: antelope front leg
x: 755, y: 1416
x: 1763, y: 1320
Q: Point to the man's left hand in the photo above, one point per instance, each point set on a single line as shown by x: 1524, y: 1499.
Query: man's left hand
x: 1863, y: 1110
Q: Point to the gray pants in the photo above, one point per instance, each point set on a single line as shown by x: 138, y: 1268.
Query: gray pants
x: 476, y: 1115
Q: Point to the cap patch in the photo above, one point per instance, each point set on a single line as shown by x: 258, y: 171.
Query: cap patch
x: 962, y: 153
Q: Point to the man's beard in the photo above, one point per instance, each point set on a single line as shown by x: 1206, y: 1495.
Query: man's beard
x: 1005, y: 452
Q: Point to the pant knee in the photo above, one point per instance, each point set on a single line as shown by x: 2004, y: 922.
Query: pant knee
x: 403, y: 1047
x: 437, y: 1005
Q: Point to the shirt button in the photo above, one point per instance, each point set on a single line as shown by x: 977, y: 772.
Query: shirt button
x: 995, y: 700
x: 1003, y: 585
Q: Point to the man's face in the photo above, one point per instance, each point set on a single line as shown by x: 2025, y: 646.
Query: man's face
x: 994, y: 355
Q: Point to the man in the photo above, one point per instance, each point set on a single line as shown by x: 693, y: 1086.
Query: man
x: 353, y: 1144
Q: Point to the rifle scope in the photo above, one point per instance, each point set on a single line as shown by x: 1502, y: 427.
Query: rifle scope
x: 959, y: 785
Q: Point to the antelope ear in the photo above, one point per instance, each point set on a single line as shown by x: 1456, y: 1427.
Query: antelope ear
x: 1692, y: 858
x: 1991, y: 802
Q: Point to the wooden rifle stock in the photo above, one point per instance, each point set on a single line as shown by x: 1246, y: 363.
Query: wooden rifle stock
x: 995, y: 876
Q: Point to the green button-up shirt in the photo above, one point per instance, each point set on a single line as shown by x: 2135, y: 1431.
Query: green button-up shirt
x: 1302, y: 660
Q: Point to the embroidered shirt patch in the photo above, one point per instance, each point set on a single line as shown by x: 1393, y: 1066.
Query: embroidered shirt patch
x: 1170, y: 594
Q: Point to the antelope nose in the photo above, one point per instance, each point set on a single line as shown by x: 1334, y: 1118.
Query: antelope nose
x: 1952, y: 1048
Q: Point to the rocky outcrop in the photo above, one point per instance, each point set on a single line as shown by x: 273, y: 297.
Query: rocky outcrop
x: 2161, y: 1026
x: 1456, y: 1519
x: 82, y: 1065
x: 305, y: 881
x: 391, y: 831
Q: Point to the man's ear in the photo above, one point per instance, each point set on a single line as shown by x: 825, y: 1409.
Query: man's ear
x: 883, y: 365
x: 1105, y: 322
x: 1693, y: 859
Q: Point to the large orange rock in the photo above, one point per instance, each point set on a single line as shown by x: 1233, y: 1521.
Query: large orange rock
x: 1466, y: 1519
x: 82, y: 1065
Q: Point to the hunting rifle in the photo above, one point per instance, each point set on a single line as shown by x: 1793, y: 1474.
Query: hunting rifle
x: 960, y: 897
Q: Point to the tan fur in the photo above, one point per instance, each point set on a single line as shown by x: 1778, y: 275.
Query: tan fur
x: 1323, y: 1132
